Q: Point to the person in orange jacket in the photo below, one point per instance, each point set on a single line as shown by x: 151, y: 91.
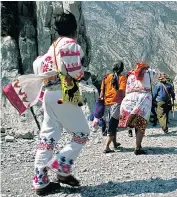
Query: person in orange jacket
x: 112, y: 91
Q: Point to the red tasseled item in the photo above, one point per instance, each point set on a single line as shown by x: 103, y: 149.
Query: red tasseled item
x: 59, y: 101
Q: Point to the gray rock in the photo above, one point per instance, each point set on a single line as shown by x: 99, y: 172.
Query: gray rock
x: 3, y: 130
x: 44, y: 15
x: 27, y: 44
x: 9, y: 60
x: 24, y: 134
x: 28, y: 30
x: 9, y: 138
x: 11, y: 132
x: 3, y: 135
x: 74, y: 7
x: 57, y: 7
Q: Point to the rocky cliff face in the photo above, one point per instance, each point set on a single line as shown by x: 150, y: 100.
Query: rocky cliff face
x: 28, y: 31
x: 132, y: 31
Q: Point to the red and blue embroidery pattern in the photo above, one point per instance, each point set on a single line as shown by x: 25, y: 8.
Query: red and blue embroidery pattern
x: 62, y: 165
x: 80, y: 139
x: 46, y: 144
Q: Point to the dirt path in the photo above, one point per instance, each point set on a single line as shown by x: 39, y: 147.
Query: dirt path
x: 118, y: 174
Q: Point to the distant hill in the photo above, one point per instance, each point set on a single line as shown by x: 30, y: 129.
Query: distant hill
x: 132, y: 31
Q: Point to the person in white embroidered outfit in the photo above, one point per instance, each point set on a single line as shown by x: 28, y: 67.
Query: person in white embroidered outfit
x: 67, y: 56
x: 61, y: 62
x: 136, y: 105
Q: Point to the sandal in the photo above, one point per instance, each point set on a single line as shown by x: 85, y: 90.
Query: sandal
x: 108, y: 151
x: 139, y: 152
x: 166, y: 131
x: 51, y: 187
x: 130, y: 133
x: 117, y: 144
x: 69, y: 180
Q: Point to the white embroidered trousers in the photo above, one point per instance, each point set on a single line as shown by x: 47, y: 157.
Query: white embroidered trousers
x: 57, y: 116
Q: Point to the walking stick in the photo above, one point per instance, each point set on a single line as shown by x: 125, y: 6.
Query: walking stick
x: 173, y: 109
x: 35, y: 118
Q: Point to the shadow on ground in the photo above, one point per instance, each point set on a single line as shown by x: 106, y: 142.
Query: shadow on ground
x: 161, y: 150
x: 111, y: 189
x: 152, y: 150
x: 170, y: 133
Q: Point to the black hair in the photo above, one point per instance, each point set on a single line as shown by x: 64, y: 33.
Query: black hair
x: 118, y: 67
x: 66, y: 24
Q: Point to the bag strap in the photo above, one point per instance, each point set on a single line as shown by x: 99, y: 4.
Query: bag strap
x: 150, y: 80
x: 118, y: 77
x: 166, y: 90
x: 54, y: 46
x: 104, y: 86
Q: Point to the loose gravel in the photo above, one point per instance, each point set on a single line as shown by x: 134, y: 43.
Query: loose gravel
x: 102, y: 175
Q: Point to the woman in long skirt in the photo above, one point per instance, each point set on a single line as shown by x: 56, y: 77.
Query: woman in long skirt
x: 136, y: 105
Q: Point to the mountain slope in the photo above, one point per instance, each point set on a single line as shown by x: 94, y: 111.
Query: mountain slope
x: 132, y: 31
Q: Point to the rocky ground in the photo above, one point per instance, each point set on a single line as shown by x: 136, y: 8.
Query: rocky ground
x: 102, y: 175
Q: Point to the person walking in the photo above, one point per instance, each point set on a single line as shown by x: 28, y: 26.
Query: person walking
x: 136, y: 106
x: 163, y: 93
x: 57, y: 73
x: 154, y: 112
x: 67, y: 54
x: 112, y: 91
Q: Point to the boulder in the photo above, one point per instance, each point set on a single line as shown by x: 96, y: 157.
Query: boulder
x: 24, y: 134
x: 27, y: 44
x: 3, y: 130
x: 44, y: 15
x: 9, y: 138
x: 9, y: 60
x: 28, y: 31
